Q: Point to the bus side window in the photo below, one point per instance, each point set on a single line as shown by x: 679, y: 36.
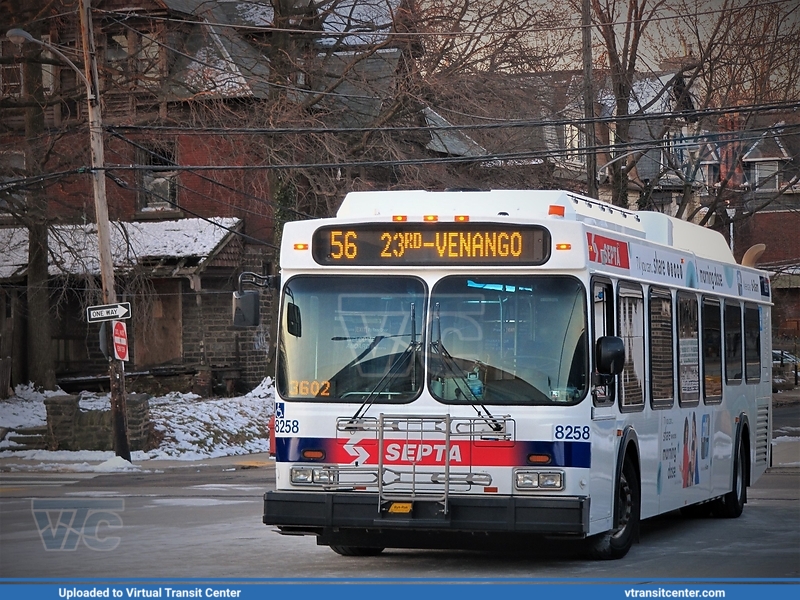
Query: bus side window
x: 603, y: 392
x: 712, y: 351
x: 752, y: 344
x: 662, y: 356
x: 688, y: 350
x: 631, y: 330
x: 733, y: 343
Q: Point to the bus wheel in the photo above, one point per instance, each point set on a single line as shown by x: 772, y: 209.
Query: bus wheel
x: 616, y: 543
x: 731, y: 504
x: 356, y: 550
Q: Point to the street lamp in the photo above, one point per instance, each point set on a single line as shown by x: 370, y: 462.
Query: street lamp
x: 616, y: 158
x: 115, y: 368
x: 20, y: 36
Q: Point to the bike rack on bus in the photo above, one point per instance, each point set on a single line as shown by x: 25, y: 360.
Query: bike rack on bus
x: 409, y: 439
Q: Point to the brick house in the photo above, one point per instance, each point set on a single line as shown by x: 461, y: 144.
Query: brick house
x: 769, y: 209
x: 162, y: 63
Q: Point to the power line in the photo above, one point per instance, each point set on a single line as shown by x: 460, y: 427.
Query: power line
x: 628, y: 147
x: 507, y: 124
x: 642, y: 145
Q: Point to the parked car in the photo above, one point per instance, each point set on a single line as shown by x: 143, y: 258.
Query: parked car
x: 783, y: 367
x: 784, y: 357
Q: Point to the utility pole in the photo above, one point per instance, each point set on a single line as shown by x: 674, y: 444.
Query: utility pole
x: 116, y: 371
x: 588, y: 101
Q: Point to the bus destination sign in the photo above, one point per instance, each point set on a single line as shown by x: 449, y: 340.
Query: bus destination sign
x: 428, y: 244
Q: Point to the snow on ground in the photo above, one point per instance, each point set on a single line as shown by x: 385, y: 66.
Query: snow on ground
x: 190, y: 427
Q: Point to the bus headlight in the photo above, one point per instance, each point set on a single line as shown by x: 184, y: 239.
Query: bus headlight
x: 324, y: 476
x: 552, y: 480
x: 301, y: 475
x: 539, y: 480
x: 527, y: 480
x: 308, y: 475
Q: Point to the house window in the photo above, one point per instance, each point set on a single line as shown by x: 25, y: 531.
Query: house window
x: 133, y: 58
x: 12, y: 166
x: 574, y: 142
x: 710, y: 174
x: 763, y: 176
x: 117, y: 56
x: 10, y: 74
x: 675, y: 151
x: 158, y: 189
x: 48, y: 71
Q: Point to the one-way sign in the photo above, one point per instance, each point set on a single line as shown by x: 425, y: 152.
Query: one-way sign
x: 108, y: 312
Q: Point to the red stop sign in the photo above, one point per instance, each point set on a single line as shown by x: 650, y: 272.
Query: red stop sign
x: 120, y: 341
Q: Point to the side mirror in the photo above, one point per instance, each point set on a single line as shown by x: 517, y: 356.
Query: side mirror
x: 246, y: 311
x: 609, y: 355
x: 294, y: 323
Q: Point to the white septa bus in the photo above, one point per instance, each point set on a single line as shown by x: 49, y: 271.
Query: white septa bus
x: 455, y: 367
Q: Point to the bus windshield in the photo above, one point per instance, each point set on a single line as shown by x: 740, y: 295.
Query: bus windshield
x: 508, y: 340
x: 352, y: 339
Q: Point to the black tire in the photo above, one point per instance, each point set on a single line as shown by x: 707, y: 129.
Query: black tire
x: 615, y: 544
x: 731, y: 505
x: 356, y: 550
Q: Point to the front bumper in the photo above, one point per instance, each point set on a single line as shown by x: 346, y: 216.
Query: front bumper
x: 318, y: 513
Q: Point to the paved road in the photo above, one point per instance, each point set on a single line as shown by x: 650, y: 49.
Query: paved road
x: 205, y: 522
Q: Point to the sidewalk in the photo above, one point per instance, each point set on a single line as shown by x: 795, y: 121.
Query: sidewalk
x: 65, y: 464
x: 786, y: 452
x: 785, y: 397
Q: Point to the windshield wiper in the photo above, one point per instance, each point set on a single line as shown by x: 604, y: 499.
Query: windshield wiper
x: 460, y: 377
x: 394, y: 369
x: 375, y: 341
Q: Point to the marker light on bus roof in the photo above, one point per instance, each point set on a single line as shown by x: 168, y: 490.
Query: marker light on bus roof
x: 461, y: 218
x: 430, y: 218
x: 556, y: 210
x: 563, y: 246
x: 301, y: 246
x: 400, y: 218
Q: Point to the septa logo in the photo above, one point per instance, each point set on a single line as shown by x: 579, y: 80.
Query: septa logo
x: 608, y: 251
x: 421, y: 453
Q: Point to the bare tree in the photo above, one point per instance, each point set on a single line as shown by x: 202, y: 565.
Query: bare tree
x: 724, y: 58
x: 31, y: 205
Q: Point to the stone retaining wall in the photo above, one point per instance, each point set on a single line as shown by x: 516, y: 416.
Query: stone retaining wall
x: 71, y: 428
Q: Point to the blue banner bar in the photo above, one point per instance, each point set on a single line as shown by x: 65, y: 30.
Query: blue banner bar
x: 401, y: 589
